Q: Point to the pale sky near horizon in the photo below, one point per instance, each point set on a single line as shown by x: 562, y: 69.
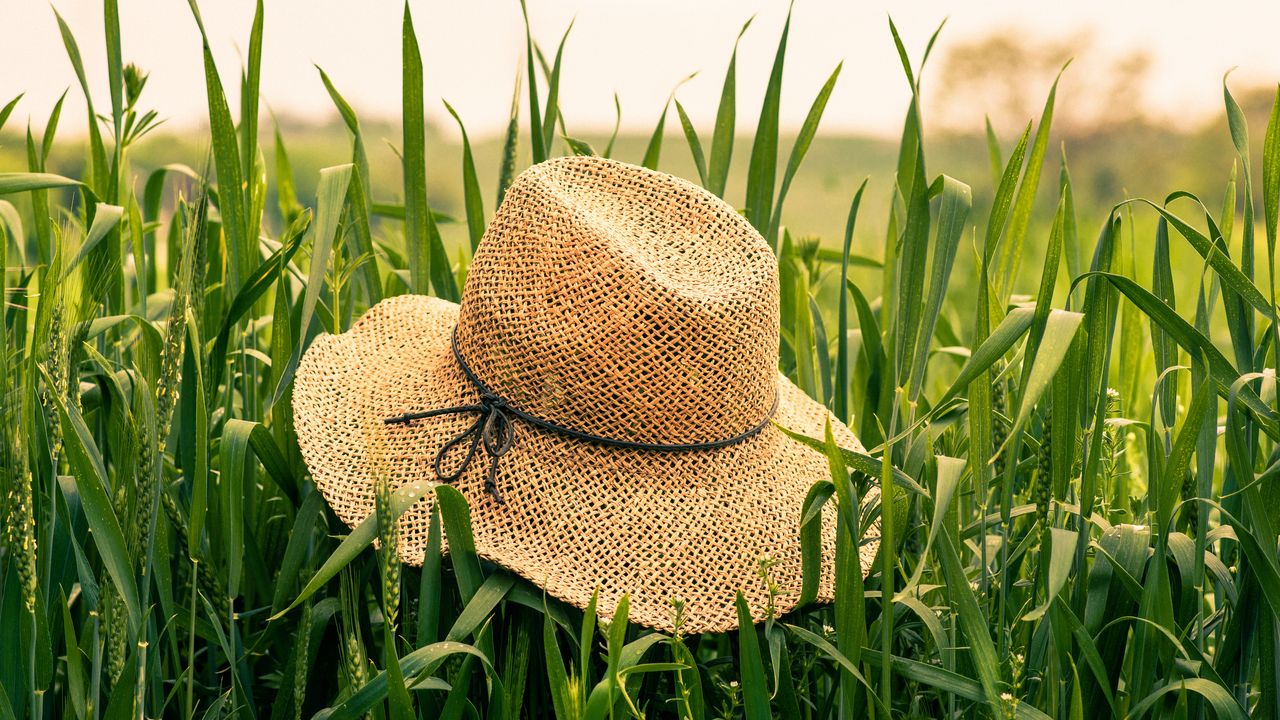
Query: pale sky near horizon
x: 471, y: 52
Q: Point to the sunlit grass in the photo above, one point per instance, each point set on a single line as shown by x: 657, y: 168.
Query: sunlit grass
x: 1072, y: 469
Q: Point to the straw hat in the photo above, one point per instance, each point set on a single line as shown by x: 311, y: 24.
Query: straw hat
x: 604, y: 398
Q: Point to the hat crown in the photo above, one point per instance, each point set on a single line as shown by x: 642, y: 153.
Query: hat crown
x: 623, y: 303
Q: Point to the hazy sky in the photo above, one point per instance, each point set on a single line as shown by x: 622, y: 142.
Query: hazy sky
x: 472, y: 49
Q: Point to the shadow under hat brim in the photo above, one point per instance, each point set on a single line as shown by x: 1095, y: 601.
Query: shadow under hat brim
x: 578, y: 516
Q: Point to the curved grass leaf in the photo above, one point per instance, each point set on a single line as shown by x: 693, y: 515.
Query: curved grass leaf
x: 105, y: 219
x: 91, y: 481
x: 808, y: 129
x: 8, y: 109
x: 234, y: 480
x: 1191, y: 340
x: 536, y: 138
x: 860, y: 462
x: 415, y: 667
x: 974, y: 628
x: 695, y: 145
x: 351, y: 546
x: 256, y: 285
x: 16, y: 182
x: 726, y: 113
x: 1231, y: 275
x: 472, y: 201
x: 953, y: 216
x: 1224, y: 705
x: 330, y: 199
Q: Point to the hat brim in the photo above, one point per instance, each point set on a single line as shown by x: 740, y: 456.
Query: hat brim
x: 578, y: 517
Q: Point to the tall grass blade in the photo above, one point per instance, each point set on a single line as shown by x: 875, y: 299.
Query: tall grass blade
x: 511, y: 139
x: 763, y: 165
x: 755, y: 695
x: 808, y: 129
x: 331, y: 196
x: 473, y: 203
x: 695, y: 145
x: 726, y: 115
x: 416, y: 217
x: 226, y: 157
x: 552, y: 110
x: 536, y: 136
x: 1010, y: 257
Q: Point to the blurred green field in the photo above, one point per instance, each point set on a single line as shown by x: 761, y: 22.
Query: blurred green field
x: 1108, y: 165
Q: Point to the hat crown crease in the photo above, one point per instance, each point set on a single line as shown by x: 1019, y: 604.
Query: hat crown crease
x: 623, y: 303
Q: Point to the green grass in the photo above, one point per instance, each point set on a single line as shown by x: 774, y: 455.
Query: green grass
x: 1076, y: 434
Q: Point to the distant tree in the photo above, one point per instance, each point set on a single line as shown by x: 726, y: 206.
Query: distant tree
x: 1007, y: 74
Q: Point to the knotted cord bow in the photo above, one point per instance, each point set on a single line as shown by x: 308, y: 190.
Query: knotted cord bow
x: 494, y: 428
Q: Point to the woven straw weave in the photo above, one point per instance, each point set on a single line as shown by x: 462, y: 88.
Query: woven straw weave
x: 626, y: 304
